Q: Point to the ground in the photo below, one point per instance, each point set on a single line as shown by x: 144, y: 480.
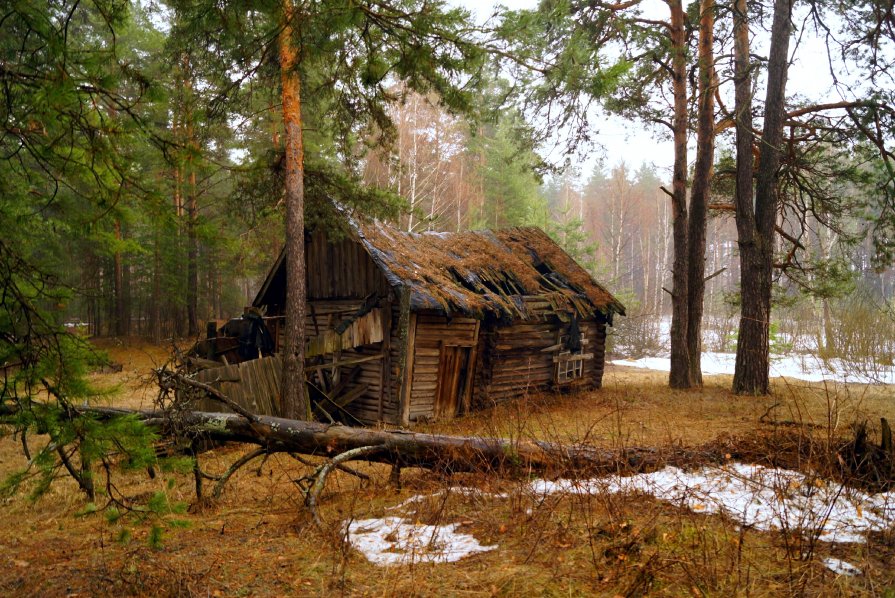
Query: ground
x: 259, y: 539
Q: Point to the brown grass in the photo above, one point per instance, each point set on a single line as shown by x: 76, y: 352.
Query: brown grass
x: 259, y: 539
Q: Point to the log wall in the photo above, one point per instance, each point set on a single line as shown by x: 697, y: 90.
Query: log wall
x: 513, y: 361
x: 431, y: 333
x: 597, y: 332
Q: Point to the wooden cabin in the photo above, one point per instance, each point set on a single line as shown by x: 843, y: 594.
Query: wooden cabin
x: 403, y: 327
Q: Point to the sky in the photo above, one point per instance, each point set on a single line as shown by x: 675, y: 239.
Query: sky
x: 618, y: 139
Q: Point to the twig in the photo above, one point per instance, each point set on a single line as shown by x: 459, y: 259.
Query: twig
x: 25, y: 448
x: 764, y: 416
x: 711, y: 276
x: 258, y: 471
x: 324, y: 470
x: 219, y: 487
x: 216, y: 394
x: 81, y: 477
x: 344, y: 468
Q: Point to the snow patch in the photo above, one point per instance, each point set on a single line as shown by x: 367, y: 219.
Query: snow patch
x: 799, y: 367
x: 753, y: 495
x: 395, y: 541
x: 460, y: 490
x: 840, y: 567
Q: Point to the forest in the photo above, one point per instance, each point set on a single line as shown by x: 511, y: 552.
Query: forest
x: 158, y: 157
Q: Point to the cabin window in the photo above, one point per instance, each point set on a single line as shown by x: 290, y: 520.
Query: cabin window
x: 569, y: 367
x: 571, y: 354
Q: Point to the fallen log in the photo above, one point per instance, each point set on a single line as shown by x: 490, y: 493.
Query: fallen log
x: 403, y: 448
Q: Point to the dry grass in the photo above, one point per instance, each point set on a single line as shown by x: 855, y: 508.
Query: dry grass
x: 259, y: 540
x: 636, y: 407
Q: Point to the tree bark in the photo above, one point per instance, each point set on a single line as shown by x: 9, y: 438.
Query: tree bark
x: 295, y: 404
x: 192, y: 255
x: 756, y: 231
x: 413, y: 449
x: 679, y: 376
x: 192, y: 211
x: 120, y: 291
x: 702, y: 177
x: 745, y: 214
x: 155, y: 324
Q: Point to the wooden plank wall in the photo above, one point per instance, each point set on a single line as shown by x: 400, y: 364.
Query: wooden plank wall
x: 431, y: 332
x: 366, y: 407
x: 341, y: 270
x: 340, y: 275
x: 365, y: 330
x: 253, y: 384
x: 328, y: 313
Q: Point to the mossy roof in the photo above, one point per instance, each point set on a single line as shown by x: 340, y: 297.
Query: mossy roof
x: 476, y: 272
x: 507, y: 273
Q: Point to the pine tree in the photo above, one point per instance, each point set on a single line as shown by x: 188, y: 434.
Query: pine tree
x: 69, y: 118
x: 333, y: 63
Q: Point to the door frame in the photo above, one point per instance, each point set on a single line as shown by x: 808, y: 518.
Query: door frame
x: 464, y: 365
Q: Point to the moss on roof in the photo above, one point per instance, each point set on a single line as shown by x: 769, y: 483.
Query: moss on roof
x: 476, y: 272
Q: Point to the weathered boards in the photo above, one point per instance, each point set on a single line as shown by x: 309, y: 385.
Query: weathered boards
x: 441, y: 323
x: 254, y: 384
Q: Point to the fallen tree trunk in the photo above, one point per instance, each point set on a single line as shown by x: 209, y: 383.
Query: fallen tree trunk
x: 413, y: 449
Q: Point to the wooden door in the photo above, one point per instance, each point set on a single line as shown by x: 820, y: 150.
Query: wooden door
x: 453, y: 381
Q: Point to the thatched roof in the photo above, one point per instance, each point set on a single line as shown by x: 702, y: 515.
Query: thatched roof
x: 474, y: 273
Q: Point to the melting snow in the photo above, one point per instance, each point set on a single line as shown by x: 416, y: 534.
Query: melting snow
x: 461, y: 490
x: 800, y: 367
x: 840, y: 567
x: 394, y: 541
x: 756, y: 496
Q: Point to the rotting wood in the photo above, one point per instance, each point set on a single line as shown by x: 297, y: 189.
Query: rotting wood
x: 414, y: 449
x: 365, y: 330
x: 471, y: 368
x: 385, y: 364
x: 347, y: 362
x: 407, y: 383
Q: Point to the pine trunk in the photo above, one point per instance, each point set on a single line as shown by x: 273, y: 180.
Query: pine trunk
x: 120, y: 309
x: 192, y: 258
x: 752, y: 372
x: 702, y: 177
x: 679, y: 376
x: 295, y: 404
x: 192, y: 215
x: 155, y: 323
x: 745, y: 215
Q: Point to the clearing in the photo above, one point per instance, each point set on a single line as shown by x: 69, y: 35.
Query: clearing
x: 668, y: 532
